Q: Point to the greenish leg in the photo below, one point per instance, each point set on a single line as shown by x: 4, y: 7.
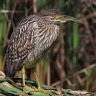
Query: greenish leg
x: 23, y: 76
x: 38, y: 83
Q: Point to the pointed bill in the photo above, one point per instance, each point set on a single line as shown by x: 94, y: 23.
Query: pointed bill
x: 66, y: 18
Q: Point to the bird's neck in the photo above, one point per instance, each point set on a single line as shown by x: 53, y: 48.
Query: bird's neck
x: 52, y: 35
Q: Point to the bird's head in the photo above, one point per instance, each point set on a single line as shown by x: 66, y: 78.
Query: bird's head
x: 56, y: 16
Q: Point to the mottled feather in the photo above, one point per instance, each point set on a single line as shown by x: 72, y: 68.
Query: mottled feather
x: 34, y: 35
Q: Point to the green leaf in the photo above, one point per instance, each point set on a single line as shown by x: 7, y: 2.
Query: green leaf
x: 11, y: 90
x: 2, y: 94
x: 39, y: 94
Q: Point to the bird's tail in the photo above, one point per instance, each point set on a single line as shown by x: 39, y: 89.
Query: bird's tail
x: 10, y: 68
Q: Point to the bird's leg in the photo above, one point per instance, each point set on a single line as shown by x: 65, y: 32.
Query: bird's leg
x: 23, y: 76
x: 40, y: 89
x: 38, y: 83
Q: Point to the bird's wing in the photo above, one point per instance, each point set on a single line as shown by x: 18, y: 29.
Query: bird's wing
x: 19, y: 45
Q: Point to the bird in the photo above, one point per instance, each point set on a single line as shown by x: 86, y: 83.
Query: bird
x: 32, y: 38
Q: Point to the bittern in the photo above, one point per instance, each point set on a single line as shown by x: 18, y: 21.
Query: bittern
x: 33, y: 37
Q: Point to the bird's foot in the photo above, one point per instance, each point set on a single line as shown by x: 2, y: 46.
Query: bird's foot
x: 33, y: 89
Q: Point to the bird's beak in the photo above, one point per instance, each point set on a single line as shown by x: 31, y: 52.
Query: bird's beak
x: 66, y: 18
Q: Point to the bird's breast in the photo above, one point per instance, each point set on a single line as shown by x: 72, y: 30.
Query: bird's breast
x: 42, y: 41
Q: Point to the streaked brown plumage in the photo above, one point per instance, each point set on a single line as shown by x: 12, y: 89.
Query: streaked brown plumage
x: 33, y: 36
